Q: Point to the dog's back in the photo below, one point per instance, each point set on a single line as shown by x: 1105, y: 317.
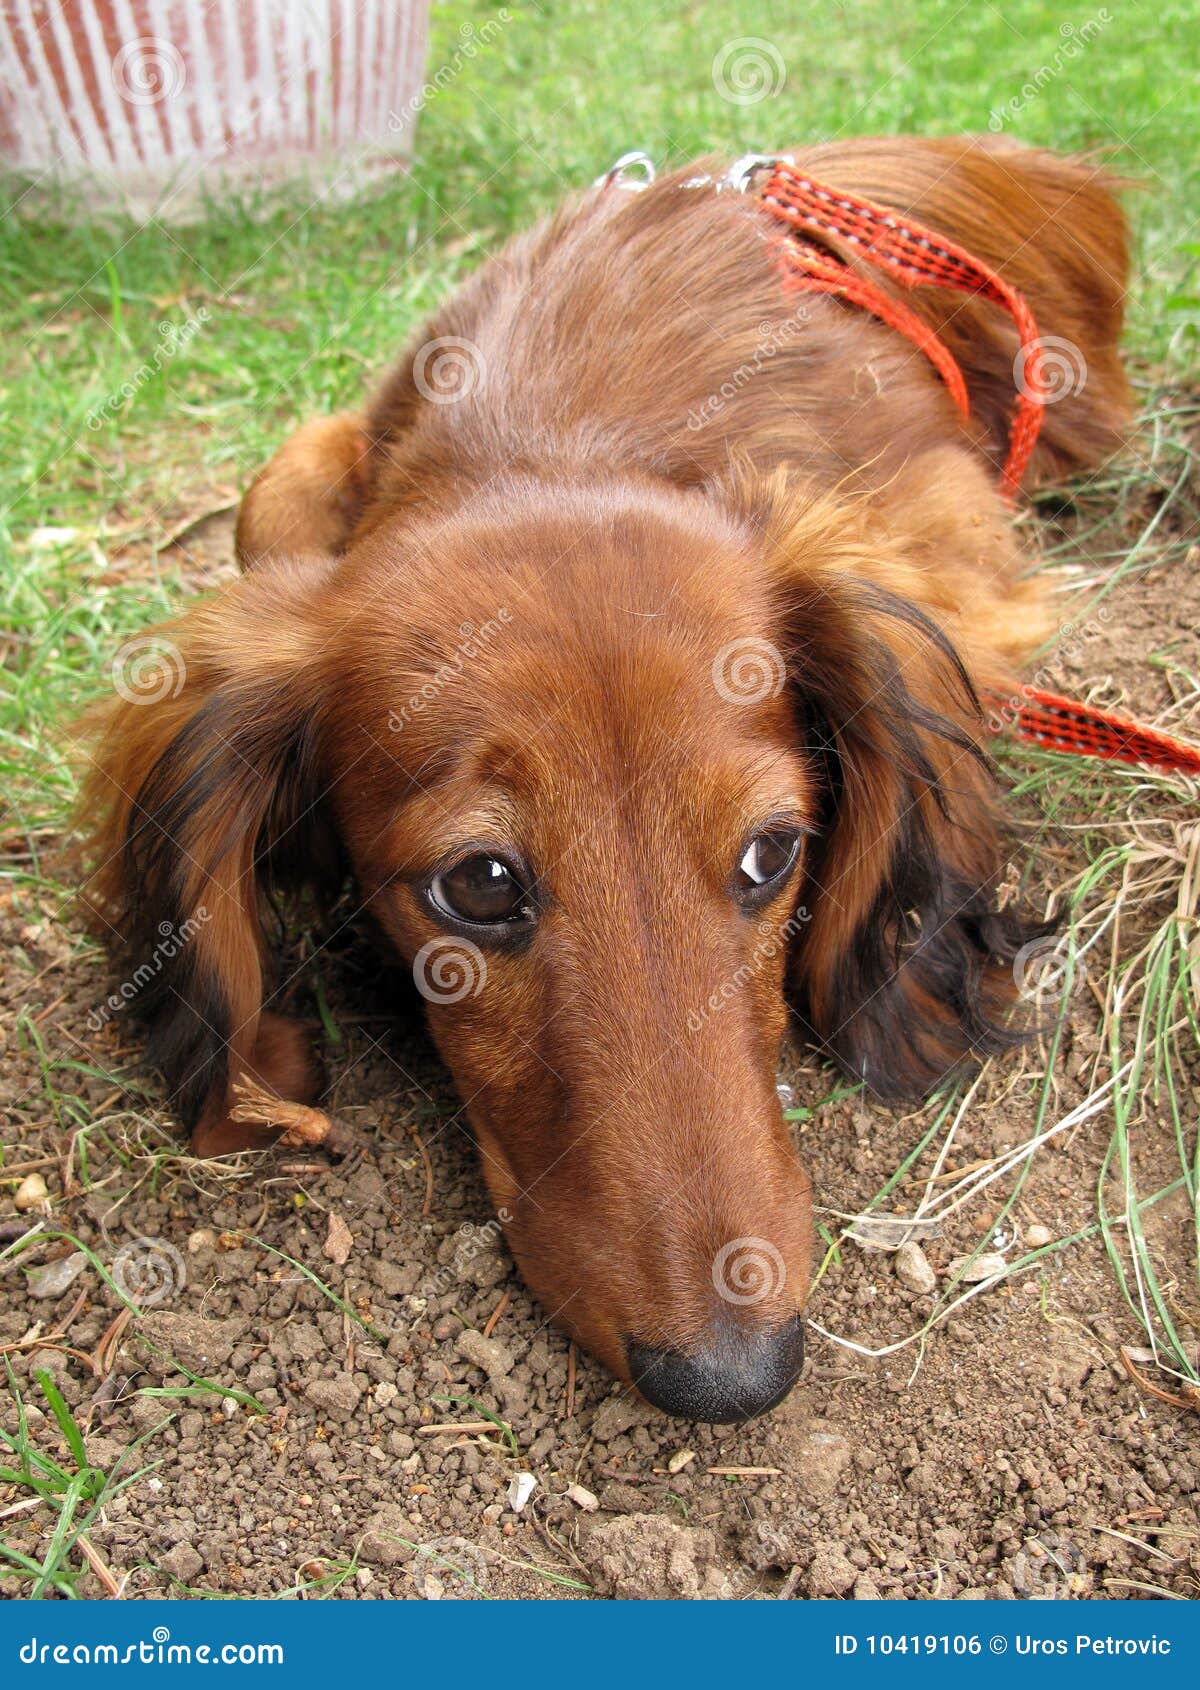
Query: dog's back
x: 656, y: 323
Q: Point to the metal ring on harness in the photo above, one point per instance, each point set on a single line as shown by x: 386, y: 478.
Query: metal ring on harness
x: 617, y: 175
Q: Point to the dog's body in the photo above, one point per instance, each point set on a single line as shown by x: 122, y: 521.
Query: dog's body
x: 658, y: 477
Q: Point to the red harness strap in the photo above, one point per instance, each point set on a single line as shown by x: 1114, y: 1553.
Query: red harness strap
x: 1062, y: 724
x: 916, y: 257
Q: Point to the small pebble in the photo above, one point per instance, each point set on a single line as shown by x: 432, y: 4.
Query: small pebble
x: 682, y: 1458
x: 31, y: 1192
x: 913, y: 1269
x: 582, y: 1498
x: 520, y: 1489
x: 983, y: 1267
x: 1038, y: 1236
x: 55, y: 1277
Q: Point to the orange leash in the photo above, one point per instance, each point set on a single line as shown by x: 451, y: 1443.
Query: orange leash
x: 1061, y: 724
x: 916, y: 257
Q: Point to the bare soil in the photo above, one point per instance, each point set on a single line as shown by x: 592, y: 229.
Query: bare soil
x: 1009, y: 1454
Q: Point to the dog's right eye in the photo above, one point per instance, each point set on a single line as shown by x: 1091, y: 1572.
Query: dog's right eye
x: 483, y: 891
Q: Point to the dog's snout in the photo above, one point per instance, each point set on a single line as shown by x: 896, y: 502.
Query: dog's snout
x: 740, y: 1372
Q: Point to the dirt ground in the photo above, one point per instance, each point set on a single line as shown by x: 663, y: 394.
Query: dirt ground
x: 1011, y: 1454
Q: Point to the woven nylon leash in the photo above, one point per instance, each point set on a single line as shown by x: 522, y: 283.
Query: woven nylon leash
x: 915, y: 256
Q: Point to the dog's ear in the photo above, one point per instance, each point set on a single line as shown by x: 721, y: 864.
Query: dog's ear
x: 200, y: 799
x: 307, y: 500
x: 903, y: 971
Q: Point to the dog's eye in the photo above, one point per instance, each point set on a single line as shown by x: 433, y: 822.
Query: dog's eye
x: 766, y: 863
x: 481, y: 890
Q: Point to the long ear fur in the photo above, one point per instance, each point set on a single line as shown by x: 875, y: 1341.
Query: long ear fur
x: 200, y: 799
x: 903, y: 971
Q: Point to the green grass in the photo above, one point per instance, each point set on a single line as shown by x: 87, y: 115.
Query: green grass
x: 66, y: 1483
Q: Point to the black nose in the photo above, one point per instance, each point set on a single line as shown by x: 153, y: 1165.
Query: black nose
x: 740, y: 1372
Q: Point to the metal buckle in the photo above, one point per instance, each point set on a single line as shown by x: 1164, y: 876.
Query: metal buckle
x: 741, y: 173
x: 616, y: 176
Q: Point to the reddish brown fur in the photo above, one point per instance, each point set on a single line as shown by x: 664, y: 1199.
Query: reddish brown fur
x: 831, y: 506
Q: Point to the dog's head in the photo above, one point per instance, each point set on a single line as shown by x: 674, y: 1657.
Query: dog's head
x: 617, y: 772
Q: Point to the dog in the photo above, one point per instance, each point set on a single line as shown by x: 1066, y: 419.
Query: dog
x: 631, y: 674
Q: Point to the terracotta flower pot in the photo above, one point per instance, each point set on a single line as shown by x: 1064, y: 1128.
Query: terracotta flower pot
x: 145, y: 98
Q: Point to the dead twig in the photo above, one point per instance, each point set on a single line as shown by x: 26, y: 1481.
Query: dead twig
x: 497, y: 1314
x: 448, y: 1428
x: 104, y: 1356
x: 428, y: 1165
x: 1187, y: 1397
x: 98, y: 1566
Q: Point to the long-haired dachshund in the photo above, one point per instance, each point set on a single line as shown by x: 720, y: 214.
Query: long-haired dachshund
x: 626, y: 655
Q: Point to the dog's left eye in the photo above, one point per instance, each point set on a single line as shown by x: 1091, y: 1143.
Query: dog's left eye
x: 483, y: 891
x: 766, y: 863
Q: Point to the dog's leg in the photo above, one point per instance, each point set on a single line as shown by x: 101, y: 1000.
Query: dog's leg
x: 307, y: 500
x: 1051, y: 227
